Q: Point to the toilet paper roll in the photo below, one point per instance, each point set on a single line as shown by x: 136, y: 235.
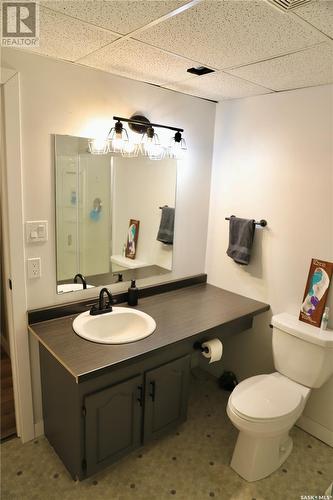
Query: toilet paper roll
x: 212, y: 349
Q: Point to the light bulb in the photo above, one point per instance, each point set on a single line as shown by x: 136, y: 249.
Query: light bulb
x: 118, y: 139
x: 150, y: 145
x: 116, y: 144
x: 177, y: 148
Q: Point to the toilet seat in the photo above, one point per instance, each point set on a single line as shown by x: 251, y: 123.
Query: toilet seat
x: 267, y: 398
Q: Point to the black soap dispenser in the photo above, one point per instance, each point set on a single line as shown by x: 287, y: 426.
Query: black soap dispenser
x: 133, y: 294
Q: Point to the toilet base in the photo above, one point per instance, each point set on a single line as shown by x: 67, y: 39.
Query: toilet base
x: 255, y: 458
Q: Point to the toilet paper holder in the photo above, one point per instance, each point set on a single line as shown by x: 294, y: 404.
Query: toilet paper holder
x: 198, y: 347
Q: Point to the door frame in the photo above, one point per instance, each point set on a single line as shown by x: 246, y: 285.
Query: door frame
x: 14, y: 252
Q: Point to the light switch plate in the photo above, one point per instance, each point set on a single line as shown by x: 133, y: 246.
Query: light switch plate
x: 34, y: 268
x: 36, y: 231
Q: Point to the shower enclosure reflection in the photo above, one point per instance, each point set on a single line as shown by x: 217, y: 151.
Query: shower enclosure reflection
x: 97, y: 199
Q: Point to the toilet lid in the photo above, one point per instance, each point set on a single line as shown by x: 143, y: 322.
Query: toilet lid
x: 266, y: 397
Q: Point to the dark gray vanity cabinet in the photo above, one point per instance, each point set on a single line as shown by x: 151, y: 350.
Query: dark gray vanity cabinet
x: 93, y: 423
x: 103, y: 401
x: 166, y: 394
x: 113, y: 423
x: 121, y: 417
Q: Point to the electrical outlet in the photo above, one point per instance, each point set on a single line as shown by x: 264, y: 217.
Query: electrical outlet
x: 34, y: 268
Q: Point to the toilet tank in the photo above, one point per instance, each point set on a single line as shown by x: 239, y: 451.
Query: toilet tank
x: 302, y: 352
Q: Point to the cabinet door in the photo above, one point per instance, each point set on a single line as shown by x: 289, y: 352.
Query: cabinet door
x: 113, y: 423
x: 166, y: 395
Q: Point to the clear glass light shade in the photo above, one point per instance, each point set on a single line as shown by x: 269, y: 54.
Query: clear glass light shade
x: 130, y: 149
x: 151, y: 147
x: 177, y: 149
x: 118, y: 140
x: 98, y: 146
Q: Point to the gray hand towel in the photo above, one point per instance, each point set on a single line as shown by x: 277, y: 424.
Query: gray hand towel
x: 241, y: 234
x: 165, y: 232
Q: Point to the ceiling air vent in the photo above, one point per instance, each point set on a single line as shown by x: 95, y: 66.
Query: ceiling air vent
x: 200, y: 70
x: 287, y: 5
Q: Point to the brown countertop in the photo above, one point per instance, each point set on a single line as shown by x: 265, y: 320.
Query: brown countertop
x: 179, y: 315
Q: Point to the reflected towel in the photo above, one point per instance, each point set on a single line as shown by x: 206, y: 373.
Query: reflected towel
x: 165, y: 232
x: 241, y: 234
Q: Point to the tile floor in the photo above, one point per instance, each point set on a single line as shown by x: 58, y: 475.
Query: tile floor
x: 190, y: 464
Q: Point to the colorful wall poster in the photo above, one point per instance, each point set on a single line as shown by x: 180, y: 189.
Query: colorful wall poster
x: 316, y: 291
x: 132, y: 238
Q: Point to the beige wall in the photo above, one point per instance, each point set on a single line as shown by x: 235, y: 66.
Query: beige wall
x: 273, y: 159
x: 140, y: 187
x: 64, y: 98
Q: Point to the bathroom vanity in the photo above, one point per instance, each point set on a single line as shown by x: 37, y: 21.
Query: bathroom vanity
x: 100, y: 401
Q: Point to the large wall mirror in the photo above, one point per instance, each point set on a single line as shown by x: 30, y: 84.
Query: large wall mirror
x: 114, y: 216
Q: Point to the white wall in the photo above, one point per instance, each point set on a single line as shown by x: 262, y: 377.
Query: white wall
x: 140, y: 187
x: 273, y: 159
x: 64, y: 98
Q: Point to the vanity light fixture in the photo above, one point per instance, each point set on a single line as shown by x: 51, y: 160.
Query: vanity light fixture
x: 177, y: 148
x: 118, y: 141
x: 150, y: 145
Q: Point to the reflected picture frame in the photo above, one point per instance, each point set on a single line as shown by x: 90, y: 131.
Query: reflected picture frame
x: 132, y: 238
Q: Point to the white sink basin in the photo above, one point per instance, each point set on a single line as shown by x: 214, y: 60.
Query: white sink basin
x: 120, y: 326
x: 71, y: 287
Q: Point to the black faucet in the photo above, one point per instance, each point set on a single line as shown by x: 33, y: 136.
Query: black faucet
x: 119, y: 276
x: 102, y: 307
x: 82, y: 278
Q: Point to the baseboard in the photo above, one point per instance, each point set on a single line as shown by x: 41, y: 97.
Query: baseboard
x: 316, y: 430
x: 39, y: 429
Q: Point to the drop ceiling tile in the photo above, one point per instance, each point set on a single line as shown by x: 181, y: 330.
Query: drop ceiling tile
x: 309, y: 67
x: 121, y: 16
x: 227, y: 33
x: 139, y: 61
x: 218, y: 86
x: 66, y: 38
x: 319, y: 14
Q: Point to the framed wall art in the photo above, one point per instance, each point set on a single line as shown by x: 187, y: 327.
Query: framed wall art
x: 132, y: 238
x: 316, y: 291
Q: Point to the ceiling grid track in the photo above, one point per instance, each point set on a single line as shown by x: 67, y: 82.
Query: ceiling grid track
x: 132, y: 34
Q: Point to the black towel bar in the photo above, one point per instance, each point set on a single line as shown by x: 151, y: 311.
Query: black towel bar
x: 261, y: 223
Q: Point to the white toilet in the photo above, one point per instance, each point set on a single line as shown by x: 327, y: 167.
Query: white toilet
x: 264, y: 408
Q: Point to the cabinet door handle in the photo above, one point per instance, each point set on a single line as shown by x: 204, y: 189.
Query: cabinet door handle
x: 152, y: 390
x: 140, y: 398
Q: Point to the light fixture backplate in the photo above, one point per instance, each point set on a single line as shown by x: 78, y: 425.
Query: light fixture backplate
x: 139, y: 128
